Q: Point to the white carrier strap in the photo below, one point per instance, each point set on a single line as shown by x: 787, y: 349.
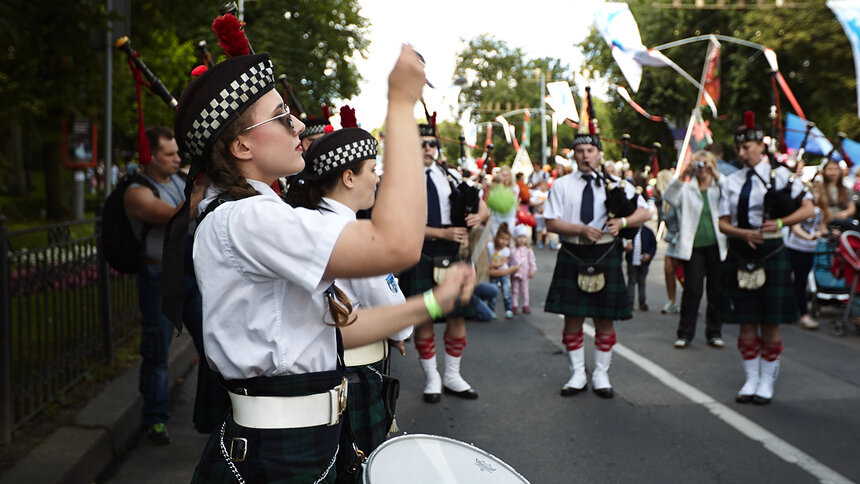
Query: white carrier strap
x: 290, y: 412
x: 367, y: 354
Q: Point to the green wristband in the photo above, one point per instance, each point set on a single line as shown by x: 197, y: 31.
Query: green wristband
x: 779, y: 224
x: 432, y: 304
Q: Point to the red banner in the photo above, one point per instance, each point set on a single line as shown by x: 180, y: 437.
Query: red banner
x: 712, y: 75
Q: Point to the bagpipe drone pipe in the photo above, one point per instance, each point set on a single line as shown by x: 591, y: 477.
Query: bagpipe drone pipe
x: 780, y: 203
x: 465, y: 197
x: 617, y: 204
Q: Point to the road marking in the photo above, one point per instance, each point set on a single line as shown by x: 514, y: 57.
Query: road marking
x: 747, y: 427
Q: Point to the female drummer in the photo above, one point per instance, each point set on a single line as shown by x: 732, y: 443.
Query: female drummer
x: 340, y: 189
x: 756, y: 241
x: 271, y: 313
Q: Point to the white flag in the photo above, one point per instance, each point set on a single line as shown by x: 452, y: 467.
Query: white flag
x: 560, y: 99
x: 616, y: 24
x: 522, y: 164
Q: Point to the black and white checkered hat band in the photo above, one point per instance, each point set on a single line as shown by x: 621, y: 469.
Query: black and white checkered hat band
x: 227, y: 102
x: 749, y: 135
x: 590, y: 139
x: 348, y: 153
x: 313, y: 130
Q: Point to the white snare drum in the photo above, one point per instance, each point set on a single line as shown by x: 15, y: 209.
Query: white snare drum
x: 431, y: 459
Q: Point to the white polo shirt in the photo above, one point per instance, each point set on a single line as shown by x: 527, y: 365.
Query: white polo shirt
x: 260, y: 265
x: 366, y: 292
x: 735, y: 182
x: 565, y: 200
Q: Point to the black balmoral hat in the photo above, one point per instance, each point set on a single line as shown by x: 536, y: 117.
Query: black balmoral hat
x: 749, y: 131
x: 217, y: 97
x: 339, y: 148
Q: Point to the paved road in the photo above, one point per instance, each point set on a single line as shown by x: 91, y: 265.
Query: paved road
x: 673, y: 419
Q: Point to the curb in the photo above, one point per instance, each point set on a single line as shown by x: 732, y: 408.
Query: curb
x: 103, y: 431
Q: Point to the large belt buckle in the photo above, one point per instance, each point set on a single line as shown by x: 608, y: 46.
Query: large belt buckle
x: 239, y: 451
x: 341, y: 399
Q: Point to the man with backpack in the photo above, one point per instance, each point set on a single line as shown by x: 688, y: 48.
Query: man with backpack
x: 150, y: 200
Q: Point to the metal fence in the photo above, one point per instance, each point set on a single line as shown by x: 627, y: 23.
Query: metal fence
x: 62, y: 313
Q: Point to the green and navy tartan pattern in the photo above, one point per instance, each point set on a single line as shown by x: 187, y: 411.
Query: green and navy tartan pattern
x: 366, y: 407
x: 773, y: 303
x: 565, y: 297
x: 277, y: 456
x: 419, y: 278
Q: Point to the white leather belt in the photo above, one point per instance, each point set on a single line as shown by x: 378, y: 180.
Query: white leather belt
x: 582, y: 240
x: 772, y: 235
x: 367, y: 354
x: 289, y: 412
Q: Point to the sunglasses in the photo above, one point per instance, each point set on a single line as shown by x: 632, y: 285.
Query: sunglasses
x: 431, y: 144
x: 285, y: 118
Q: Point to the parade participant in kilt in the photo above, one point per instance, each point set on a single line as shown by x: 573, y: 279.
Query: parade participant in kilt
x: 588, y: 280
x: 340, y: 190
x: 756, y: 252
x: 442, y: 241
x: 271, y: 315
x: 316, y: 127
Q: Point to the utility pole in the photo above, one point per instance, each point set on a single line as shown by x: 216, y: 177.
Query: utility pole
x: 542, y: 119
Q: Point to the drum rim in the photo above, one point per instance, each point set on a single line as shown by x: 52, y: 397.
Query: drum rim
x: 437, y: 437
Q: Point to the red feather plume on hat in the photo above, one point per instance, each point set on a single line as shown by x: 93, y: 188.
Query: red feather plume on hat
x: 347, y: 117
x: 749, y: 119
x: 432, y: 119
x: 230, y: 35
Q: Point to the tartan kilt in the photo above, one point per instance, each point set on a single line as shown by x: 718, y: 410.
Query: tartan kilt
x: 773, y: 303
x: 419, y: 278
x: 366, y: 407
x: 277, y: 456
x: 565, y: 297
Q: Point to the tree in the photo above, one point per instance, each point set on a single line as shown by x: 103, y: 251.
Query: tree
x: 814, y: 56
x: 501, y: 79
x: 47, y: 73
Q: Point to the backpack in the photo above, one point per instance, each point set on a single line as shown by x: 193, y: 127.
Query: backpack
x: 117, y: 242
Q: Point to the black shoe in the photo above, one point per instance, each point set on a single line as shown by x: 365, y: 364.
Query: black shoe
x: 157, y: 435
x: 643, y: 307
x: 757, y: 400
x: 604, y: 392
x: 432, y: 397
x: 744, y: 398
x: 570, y: 391
x: 469, y: 394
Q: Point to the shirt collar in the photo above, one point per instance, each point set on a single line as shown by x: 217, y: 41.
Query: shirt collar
x: 337, y: 207
x: 262, y: 188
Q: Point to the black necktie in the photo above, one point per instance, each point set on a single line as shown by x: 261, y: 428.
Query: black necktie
x: 744, y: 202
x: 586, y: 211
x: 434, y: 214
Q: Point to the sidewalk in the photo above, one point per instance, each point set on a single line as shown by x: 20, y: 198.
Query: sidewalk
x: 102, y: 432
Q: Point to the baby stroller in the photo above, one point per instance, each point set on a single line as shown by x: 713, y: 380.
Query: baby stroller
x: 846, y: 264
x: 824, y: 287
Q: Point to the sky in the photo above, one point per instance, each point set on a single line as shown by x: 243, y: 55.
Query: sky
x: 541, y: 28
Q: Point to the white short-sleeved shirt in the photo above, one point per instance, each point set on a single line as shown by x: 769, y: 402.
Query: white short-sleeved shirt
x: 565, y: 200
x: 260, y: 265
x: 794, y: 241
x: 366, y: 292
x: 500, y: 255
x: 443, y: 188
x: 735, y: 183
